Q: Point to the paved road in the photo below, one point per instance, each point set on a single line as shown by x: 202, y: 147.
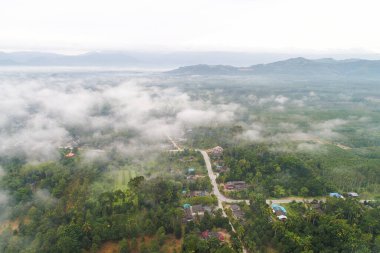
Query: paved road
x: 221, y: 198
x: 212, y: 177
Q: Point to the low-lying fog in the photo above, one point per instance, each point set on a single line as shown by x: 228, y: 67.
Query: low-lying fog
x: 125, y: 112
x: 41, y: 111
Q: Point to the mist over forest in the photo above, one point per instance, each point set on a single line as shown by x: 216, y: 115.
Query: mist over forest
x: 85, y: 151
x: 202, y: 126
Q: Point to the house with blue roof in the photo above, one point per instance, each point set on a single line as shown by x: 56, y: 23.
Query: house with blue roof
x: 279, y: 211
x: 191, y: 171
x: 277, y: 207
x: 335, y: 195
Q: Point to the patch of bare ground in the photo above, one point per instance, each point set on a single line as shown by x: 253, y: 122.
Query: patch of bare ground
x: 12, y: 224
x: 109, y: 247
x: 172, y: 244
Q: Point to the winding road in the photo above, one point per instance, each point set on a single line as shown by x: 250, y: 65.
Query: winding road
x: 221, y: 198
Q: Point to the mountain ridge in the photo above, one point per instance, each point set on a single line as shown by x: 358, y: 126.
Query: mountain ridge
x: 168, y: 60
x: 292, y: 66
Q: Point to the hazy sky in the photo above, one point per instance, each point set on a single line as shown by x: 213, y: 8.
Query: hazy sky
x: 194, y: 25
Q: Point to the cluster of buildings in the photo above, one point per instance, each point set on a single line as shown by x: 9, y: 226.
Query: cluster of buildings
x: 279, y: 212
x: 192, y: 212
x: 235, y: 185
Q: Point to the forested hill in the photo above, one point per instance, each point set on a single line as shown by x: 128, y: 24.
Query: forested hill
x: 294, y: 66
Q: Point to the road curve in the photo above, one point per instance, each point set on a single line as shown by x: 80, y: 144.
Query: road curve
x: 221, y: 198
x: 212, y: 177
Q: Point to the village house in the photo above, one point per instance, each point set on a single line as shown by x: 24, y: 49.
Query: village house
x: 209, y: 234
x: 220, y: 168
x: 191, y: 212
x: 336, y: 195
x: 352, y: 194
x: 315, y: 205
x: 198, y: 210
x: 235, y: 185
x: 279, y: 212
x: 70, y: 155
x: 191, y: 171
x: 237, y: 212
x: 216, y: 151
x: 188, y: 215
x: 198, y: 194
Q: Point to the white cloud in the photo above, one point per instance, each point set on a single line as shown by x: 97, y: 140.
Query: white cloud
x: 281, y: 99
x: 191, y: 25
x: 253, y: 133
x: 41, y: 114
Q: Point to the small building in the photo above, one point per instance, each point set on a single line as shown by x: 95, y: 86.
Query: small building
x: 276, y: 207
x: 235, y: 185
x: 221, y: 168
x: 188, y: 215
x: 240, y: 185
x: 229, y: 186
x: 190, y: 171
x: 315, y: 205
x: 70, y: 155
x: 237, y: 213
x: 279, y: 211
x: 336, y: 195
x: 216, y: 151
x: 352, y: 194
x: 208, y: 234
x: 197, y: 210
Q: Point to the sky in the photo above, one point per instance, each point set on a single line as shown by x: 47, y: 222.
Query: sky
x: 72, y: 26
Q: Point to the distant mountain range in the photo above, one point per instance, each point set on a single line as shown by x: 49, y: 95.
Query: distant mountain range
x: 51, y: 59
x: 294, y: 66
x: 170, y: 60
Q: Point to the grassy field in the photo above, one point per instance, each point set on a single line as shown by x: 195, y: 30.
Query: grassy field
x: 113, y: 180
x: 121, y: 178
